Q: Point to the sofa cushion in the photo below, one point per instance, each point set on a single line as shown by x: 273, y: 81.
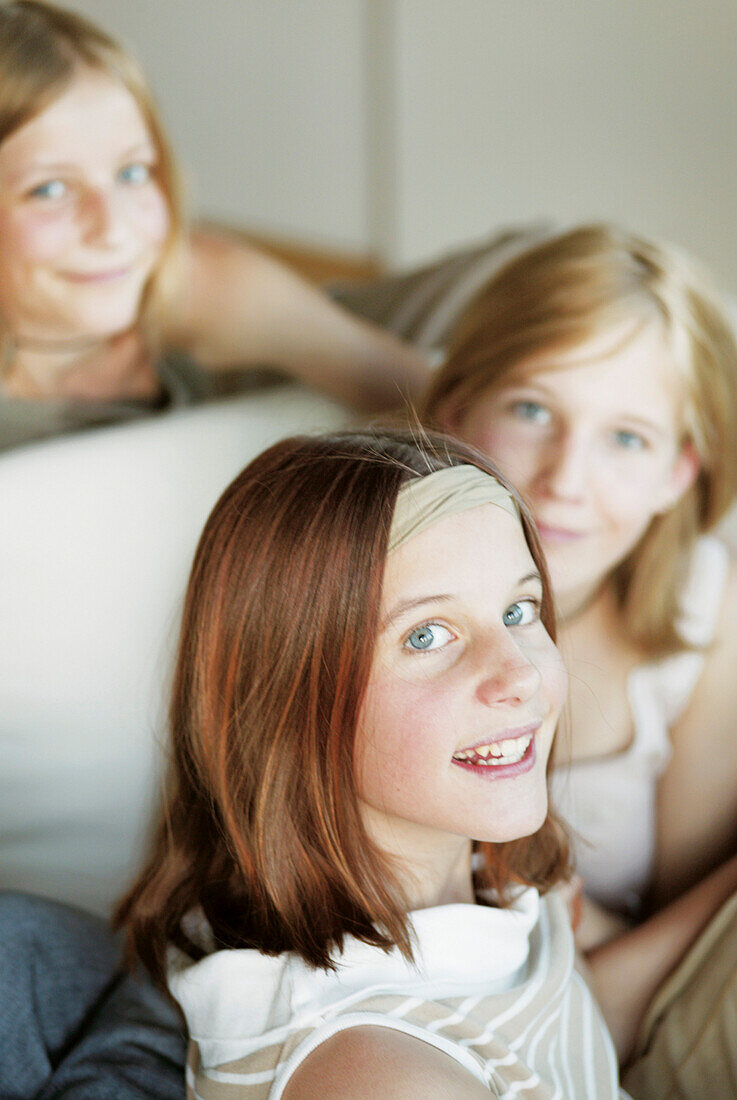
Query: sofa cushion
x: 99, y: 530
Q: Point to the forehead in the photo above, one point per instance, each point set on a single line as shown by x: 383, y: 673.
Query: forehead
x: 475, y: 554
x: 95, y: 116
x: 624, y: 370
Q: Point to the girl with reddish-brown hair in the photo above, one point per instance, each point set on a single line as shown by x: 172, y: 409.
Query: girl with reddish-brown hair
x: 351, y: 891
x: 263, y: 826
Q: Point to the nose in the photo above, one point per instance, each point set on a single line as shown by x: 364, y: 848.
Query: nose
x: 565, y: 466
x: 104, y: 222
x: 514, y: 679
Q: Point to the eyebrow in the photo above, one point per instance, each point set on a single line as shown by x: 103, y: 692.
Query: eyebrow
x: 403, y: 606
x: 641, y: 422
x: 57, y: 166
x: 539, y: 389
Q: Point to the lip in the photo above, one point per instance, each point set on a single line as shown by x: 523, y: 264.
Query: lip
x: 505, y: 735
x: 502, y: 771
x: 109, y: 276
x: 549, y: 533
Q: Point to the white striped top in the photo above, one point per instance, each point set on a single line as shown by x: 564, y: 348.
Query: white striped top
x: 496, y: 989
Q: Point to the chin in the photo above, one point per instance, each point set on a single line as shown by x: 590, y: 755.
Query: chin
x: 109, y: 318
x: 516, y: 825
x: 101, y: 309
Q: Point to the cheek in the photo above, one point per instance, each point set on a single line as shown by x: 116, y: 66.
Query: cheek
x: 375, y: 740
x: 397, y: 737
x: 150, y: 216
x: 35, y: 237
x: 633, y: 494
x: 514, y: 450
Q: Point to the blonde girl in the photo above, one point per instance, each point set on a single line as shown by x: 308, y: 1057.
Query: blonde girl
x: 599, y: 371
x: 109, y: 306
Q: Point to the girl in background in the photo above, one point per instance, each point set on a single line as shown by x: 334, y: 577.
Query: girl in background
x: 109, y: 306
x: 600, y: 372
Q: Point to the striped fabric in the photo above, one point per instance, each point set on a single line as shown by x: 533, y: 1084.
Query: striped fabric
x: 495, y: 989
x: 424, y: 305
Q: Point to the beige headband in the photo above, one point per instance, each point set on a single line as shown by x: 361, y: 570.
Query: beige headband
x: 425, y: 500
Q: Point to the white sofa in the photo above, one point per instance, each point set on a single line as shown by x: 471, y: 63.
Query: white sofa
x: 98, y: 533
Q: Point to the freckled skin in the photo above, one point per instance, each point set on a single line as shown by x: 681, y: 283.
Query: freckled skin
x: 75, y: 255
x: 480, y: 679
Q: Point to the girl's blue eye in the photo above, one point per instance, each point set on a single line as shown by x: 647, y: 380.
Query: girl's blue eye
x: 532, y: 411
x: 428, y: 636
x: 521, y: 613
x: 50, y: 189
x: 135, y: 174
x: 630, y: 441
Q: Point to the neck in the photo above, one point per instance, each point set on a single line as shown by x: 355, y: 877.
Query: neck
x: 38, y: 368
x: 84, y: 368
x: 431, y: 868
x: 428, y: 884
x: 70, y: 345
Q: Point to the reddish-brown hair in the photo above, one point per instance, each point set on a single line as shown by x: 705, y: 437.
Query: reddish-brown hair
x: 261, y: 829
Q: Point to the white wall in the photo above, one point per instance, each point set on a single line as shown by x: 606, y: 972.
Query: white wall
x: 519, y: 109
x: 266, y: 103
x: 405, y: 126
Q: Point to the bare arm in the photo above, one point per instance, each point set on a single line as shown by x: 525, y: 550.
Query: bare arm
x: 597, y: 925
x: 697, y: 796
x: 364, y: 1062
x: 627, y: 972
x: 242, y: 307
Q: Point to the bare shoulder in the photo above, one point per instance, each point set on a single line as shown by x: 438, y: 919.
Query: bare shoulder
x: 722, y: 653
x: 216, y: 260
x: 727, y: 626
x: 210, y: 249
x: 697, y: 795
x: 240, y: 306
x: 217, y: 264
x: 717, y: 685
x: 364, y: 1062
x: 235, y: 300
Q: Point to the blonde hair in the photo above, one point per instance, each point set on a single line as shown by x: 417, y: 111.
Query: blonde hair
x: 561, y: 293
x: 41, y: 48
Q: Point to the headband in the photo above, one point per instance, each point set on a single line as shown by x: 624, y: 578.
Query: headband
x: 425, y: 500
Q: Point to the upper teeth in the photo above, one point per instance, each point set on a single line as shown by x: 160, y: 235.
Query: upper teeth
x: 508, y: 751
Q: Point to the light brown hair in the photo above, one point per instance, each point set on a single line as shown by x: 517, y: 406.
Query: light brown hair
x: 566, y: 290
x: 41, y: 49
x: 261, y: 829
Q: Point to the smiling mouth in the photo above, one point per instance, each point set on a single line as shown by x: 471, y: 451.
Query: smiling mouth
x: 98, y: 276
x: 558, y: 534
x: 495, y: 754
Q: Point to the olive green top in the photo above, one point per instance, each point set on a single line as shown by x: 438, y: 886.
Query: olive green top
x: 183, y: 382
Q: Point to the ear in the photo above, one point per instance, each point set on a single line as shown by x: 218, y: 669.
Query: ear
x: 685, y: 471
